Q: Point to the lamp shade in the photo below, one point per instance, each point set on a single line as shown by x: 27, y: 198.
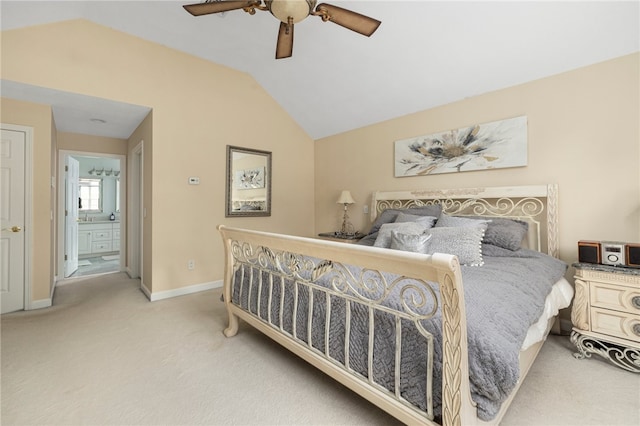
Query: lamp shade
x: 345, y: 198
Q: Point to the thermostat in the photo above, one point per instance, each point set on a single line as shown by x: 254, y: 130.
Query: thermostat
x: 194, y: 180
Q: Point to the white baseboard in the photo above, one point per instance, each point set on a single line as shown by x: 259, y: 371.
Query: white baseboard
x: 145, y: 290
x: 196, y: 288
x: 39, y: 304
x: 53, y: 287
x: 43, y: 303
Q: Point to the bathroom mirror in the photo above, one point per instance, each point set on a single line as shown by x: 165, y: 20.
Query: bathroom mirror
x: 90, y: 195
x: 248, y: 182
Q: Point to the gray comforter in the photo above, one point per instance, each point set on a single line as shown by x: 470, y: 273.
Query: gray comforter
x: 503, y: 298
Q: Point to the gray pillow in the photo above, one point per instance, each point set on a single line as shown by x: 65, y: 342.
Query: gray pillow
x: 368, y: 240
x: 389, y: 215
x: 506, y: 233
x: 427, y: 221
x: 462, y: 241
x: 501, y: 232
x: 384, y: 235
x: 409, y: 242
x: 453, y: 221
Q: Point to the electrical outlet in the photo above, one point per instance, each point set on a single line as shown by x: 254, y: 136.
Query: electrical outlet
x: 365, y: 209
x: 191, y: 265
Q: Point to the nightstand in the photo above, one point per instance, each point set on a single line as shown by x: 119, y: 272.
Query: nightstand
x: 606, y: 314
x: 342, y: 238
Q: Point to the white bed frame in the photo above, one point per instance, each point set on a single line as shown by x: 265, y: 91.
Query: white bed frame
x: 264, y: 251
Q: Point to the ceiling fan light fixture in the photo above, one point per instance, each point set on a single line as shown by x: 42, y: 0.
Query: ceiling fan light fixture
x: 289, y: 12
x: 297, y: 10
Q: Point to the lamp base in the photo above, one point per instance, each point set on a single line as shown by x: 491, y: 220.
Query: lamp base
x: 346, y: 234
x: 347, y: 227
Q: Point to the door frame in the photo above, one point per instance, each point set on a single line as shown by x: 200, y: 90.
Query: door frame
x: 28, y: 208
x: 62, y: 154
x: 136, y: 209
x: 71, y: 203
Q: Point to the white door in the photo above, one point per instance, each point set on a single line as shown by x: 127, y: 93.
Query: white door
x: 12, y: 212
x: 72, y: 188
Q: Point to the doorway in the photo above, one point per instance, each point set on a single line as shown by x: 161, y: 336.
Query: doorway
x: 92, y: 219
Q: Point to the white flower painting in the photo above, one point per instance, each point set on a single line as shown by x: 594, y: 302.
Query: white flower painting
x: 494, y: 145
x: 249, y: 178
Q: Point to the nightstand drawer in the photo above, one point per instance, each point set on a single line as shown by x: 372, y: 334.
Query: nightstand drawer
x: 616, y: 324
x: 615, y: 297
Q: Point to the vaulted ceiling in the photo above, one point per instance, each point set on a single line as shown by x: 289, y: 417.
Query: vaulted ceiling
x: 425, y: 53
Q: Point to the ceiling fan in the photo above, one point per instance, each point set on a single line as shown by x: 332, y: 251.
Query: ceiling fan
x: 290, y: 12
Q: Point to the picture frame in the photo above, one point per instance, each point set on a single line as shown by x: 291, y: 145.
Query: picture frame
x: 248, y: 182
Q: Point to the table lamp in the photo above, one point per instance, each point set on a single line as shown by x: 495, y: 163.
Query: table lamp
x: 346, y: 199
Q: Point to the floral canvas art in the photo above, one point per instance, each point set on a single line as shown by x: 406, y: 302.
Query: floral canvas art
x: 492, y: 145
x: 249, y: 178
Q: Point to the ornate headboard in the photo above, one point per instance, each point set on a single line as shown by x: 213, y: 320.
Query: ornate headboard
x: 537, y: 205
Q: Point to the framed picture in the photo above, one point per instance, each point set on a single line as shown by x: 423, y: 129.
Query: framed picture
x: 248, y: 189
x: 494, y: 145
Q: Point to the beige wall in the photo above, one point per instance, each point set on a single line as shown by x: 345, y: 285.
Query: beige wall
x: 198, y: 108
x: 584, y: 134
x: 89, y: 143
x: 143, y: 136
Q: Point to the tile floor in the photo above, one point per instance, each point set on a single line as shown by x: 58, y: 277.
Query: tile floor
x: 95, y: 265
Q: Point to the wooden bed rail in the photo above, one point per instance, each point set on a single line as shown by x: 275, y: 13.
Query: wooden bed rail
x: 457, y: 405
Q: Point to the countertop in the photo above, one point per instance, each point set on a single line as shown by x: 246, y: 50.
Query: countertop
x: 608, y: 268
x: 89, y: 222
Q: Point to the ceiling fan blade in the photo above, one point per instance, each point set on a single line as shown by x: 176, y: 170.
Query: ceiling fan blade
x: 284, y: 48
x: 348, y: 19
x: 199, y: 9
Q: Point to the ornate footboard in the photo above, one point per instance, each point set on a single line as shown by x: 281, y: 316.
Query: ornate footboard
x: 285, y: 286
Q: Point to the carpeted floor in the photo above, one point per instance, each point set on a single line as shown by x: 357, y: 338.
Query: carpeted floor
x: 105, y: 355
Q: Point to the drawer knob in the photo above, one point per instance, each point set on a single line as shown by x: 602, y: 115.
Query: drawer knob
x: 635, y: 301
x: 636, y: 329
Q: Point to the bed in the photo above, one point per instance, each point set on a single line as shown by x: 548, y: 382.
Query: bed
x: 397, y: 325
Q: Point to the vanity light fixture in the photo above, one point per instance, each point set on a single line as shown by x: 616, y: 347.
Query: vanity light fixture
x: 104, y: 171
x: 346, y: 199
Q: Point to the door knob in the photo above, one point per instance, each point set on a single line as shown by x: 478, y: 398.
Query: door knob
x: 15, y: 229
